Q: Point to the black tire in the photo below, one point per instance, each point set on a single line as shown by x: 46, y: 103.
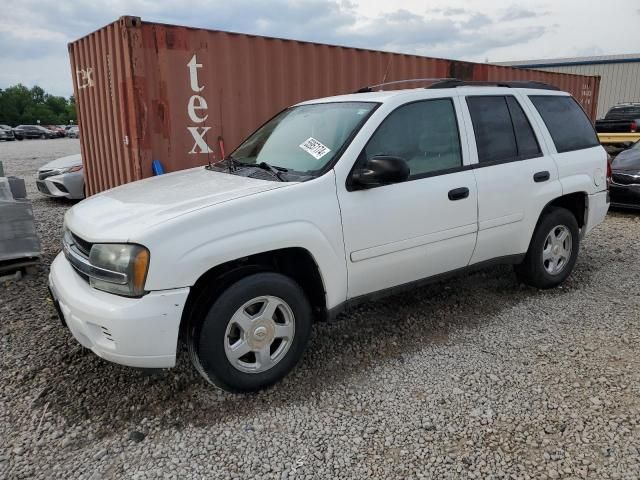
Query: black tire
x: 206, y: 336
x: 532, y: 270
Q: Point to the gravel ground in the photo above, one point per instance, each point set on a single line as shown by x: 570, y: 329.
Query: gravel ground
x: 477, y: 377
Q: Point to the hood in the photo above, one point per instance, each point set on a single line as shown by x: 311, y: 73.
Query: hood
x: 63, y: 162
x: 627, y: 160
x: 117, y: 215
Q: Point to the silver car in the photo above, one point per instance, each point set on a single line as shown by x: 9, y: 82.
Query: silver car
x: 63, y: 177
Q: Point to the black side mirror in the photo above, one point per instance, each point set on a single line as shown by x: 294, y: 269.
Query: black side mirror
x: 381, y: 170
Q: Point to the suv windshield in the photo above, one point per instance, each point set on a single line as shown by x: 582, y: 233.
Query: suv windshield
x: 306, y: 138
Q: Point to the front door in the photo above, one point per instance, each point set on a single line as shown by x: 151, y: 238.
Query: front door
x: 396, y: 234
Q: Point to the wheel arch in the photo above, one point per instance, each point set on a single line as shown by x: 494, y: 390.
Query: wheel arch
x: 295, y: 262
x: 576, y: 203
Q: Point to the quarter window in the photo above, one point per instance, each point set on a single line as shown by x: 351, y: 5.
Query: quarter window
x: 569, y: 126
x: 525, y: 138
x: 424, y: 134
x: 502, y: 130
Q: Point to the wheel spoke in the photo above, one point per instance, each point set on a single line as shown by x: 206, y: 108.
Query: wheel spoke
x: 263, y: 357
x: 239, y: 349
x: 242, y: 319
x: 284, y: 331
x: 564, y: 233
x: 269, y: 308
x: 547, y: 253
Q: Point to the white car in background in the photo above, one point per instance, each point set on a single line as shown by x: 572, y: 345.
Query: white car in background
x: 63, y: 178
x: 73, y: 132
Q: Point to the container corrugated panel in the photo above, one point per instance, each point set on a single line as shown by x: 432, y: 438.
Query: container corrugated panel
x: 149, y: 91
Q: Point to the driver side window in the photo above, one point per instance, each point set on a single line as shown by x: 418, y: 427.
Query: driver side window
x: 424, y: 134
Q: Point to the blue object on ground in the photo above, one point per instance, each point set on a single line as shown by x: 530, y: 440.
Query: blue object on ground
x: 157, y: 167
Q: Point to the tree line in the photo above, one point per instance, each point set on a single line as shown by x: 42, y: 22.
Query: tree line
x: 20, y: 105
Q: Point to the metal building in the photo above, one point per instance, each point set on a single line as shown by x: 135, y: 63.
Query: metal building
x: 619, y: 75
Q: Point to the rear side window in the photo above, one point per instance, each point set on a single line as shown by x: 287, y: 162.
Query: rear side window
x: 501, y: 128
x: 567, y: 123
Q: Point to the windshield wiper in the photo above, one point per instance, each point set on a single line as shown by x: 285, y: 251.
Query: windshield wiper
x: 232, y: 163
x: 275, y: 170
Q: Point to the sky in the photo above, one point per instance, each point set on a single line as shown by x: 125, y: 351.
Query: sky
x: 34, y: 33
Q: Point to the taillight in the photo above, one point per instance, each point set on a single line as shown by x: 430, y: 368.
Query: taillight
x: 634, y: 126
x: 609, y: 173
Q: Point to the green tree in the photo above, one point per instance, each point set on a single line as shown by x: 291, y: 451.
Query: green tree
x: 21, y: 105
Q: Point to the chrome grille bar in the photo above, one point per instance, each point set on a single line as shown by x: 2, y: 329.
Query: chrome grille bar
x: 82, y: 264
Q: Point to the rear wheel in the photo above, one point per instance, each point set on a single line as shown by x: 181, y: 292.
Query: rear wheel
x: 553, y: 251
x: 43, y: 137
x: 253, y: 334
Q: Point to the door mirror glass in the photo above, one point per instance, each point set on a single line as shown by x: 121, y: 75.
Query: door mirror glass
x: 381, y: 170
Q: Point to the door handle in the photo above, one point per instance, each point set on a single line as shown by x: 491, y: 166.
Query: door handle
x: 541, y: 176
x: 458, y: 193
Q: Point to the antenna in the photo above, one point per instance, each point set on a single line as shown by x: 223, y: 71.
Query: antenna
x: 384, y: 78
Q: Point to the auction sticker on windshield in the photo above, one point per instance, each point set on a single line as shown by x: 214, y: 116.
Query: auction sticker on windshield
x: 314, y: 148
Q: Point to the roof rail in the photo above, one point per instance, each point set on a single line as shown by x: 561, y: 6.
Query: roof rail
x: 453, y: 83
x: 369, y: 88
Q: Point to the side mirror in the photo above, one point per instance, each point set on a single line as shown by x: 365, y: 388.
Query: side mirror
x: 381, y: 170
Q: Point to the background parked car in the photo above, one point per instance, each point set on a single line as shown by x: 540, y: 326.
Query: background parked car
x: 622, y: 118
x: 73, y: 132
x: 60, y: 133
x: 63, y: 177
x: 34, y: 131
x: 6, y: 133
x: 625, y: 180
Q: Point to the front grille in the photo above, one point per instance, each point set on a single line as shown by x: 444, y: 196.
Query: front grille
x: 81, y: 245
x: 42, y: 174
x: 625, y: 179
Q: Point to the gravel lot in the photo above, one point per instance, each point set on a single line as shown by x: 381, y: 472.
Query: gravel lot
x: 476, y: 377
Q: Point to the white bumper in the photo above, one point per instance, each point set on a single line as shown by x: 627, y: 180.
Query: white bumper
x: 138, y: 332
x: 596, y: 209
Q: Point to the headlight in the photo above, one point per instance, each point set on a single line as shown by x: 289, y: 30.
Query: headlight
x: 130, y: 260
x: 76, y: 168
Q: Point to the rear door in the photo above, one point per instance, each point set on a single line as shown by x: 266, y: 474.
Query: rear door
x: 516, y: 176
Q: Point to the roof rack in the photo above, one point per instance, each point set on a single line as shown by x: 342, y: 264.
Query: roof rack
x: 453, y: 83
x: 370, y: 88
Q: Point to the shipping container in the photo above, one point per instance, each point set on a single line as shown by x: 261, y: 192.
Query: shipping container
x: 148, y: 91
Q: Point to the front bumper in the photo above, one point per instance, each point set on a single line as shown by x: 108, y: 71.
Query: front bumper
x: 625, y: 195
x: 138, y: 332
x: 66, y: 185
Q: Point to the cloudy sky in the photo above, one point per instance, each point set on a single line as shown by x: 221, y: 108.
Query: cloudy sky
x: 34, y: 33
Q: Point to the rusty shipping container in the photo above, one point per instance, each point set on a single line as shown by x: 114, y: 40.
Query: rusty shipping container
x: 148, y: 91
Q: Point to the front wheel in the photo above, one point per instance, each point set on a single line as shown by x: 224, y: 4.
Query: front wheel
x: 255, y: 333
x: 553, y: 251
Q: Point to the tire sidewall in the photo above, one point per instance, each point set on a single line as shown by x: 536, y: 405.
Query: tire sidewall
x: 209, y: 338
x: 556, y: 217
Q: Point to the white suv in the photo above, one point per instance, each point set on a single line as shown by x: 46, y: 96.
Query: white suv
x: 331, y: 202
